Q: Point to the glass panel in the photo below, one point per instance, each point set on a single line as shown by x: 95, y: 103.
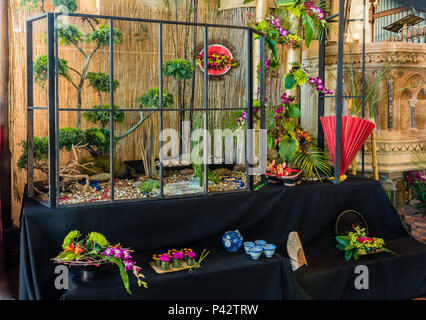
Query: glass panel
x: 84, y: 161
x: 136, y: 169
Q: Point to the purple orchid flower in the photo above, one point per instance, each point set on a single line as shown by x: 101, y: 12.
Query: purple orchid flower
x: 108, y: 252
x: 128, y: 265
x: 118, y: 253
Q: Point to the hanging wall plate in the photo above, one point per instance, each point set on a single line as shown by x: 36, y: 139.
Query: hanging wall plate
x: 219, y: 50
x: 349, y: 219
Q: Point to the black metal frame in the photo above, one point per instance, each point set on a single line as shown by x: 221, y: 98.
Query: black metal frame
x: 339, y: 89
x: 53, y: 105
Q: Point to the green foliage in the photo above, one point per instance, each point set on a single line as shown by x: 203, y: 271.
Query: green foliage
x: 99, y: 138
x: 289, y: 81
x: 179, y: 69
x: 285, y: 2
x: 103, y: 116
x: 70, y: 136
x: 311, y: 162
x: 150, y: 99
x: 101, y: 36
x: 300, y: 77
x: 357, y: 243
x: 149, y: 185
x: 32, y: 4
x: 101, y: 81
x: 70, y: 238
x: 309, y: 29
x: 40, y: 69
x: 293, y: 111
x: 41, y: 150
x: 97, y: 238
x: 69, y: 34
x: 287, y: 147
x: 65, y: 5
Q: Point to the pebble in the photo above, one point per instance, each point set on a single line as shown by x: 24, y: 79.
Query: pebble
x: 128, y: 188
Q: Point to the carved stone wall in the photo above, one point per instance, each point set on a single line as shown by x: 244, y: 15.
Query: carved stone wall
x: 401, y: 123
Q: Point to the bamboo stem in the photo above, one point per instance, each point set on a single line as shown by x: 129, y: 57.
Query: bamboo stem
x: 374, y: 153
x: 350, y: 104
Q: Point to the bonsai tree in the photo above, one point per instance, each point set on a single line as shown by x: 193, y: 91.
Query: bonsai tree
x: 180, y: 70
x: 151, y: 100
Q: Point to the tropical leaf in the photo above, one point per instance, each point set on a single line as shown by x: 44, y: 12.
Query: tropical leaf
x: 293, y: 111
x: 348, y: 255
x: 309, y: 29
x: 349, y: 247
x: 355, y: 254
x: 272, y: 46
x: 285, y: 2
x: 271, y: 142
x: 340, y: 246
x: 311, y: 162
x: 342, y: 241
x: 388, y: 251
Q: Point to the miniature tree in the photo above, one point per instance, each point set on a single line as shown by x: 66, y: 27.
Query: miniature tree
x: 151, y: 100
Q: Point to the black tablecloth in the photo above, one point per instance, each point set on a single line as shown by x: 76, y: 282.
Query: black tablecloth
x: 270, y: 214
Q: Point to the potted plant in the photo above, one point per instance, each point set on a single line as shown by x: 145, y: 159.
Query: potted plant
x: 165, y: 262
x: 191, y: 258
x: 357, y: 243
x: 177, y: 259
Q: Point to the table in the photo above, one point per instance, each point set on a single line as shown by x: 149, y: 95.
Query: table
x: 270, y: 214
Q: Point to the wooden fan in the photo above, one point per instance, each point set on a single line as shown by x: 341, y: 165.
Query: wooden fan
x: 295, y: 251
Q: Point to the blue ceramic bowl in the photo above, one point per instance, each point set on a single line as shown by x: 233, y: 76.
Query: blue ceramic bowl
x: 232, y: 241
x: 260, y: 243
x: 255, y: 252
x: 269, y: 250
x: 248, y: 245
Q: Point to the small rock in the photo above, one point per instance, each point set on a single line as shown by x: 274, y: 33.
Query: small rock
x: 240, y: 168
x: 186, y: 172
x: 101, y: 177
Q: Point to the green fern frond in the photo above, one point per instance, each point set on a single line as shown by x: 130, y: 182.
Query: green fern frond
x: 311, y: 162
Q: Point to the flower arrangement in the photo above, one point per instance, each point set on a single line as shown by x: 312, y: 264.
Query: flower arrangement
x: 318, y: 84
x: 95, y: 250
x: 279, y: 170
x: 357, y: 243
x: 416, y: 180
x: 177, y: 258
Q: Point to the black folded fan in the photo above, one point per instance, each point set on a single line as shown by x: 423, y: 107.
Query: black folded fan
x: 348, y: 220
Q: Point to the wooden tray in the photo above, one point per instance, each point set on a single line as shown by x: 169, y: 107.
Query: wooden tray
x: 158, y: 269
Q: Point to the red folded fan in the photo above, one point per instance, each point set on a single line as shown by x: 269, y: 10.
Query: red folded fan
x: 355, y: 131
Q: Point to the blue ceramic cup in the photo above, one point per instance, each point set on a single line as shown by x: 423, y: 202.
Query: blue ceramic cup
x: 248, y: 245
x: 269, y: 250
x: 255, y: 252
x: 260, y: 243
